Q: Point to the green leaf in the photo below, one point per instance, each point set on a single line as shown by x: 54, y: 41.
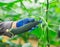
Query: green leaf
x: 52, y: 34
x: 37, y: 32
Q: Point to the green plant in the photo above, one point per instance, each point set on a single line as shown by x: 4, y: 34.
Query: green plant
x: 47, y: 31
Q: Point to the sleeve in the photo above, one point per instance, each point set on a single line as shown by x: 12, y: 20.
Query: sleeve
x: 4, y: 26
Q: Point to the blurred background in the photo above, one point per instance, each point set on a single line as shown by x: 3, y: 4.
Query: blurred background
x: 13, y: 10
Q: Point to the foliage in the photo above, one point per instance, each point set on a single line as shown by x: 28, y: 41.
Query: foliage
x: 19, y: 9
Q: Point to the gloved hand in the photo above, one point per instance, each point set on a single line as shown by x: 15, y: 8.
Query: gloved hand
x: 24, y: 21
x: 35, y: 26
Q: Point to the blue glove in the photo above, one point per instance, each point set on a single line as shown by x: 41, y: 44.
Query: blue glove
x: 35, y: 26
x: 24, y: 21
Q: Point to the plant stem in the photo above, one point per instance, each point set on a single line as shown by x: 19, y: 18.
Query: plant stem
x: 47, y: 21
